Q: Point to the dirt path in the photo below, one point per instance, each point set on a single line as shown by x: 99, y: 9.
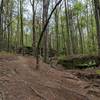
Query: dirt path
x: 20, y: 81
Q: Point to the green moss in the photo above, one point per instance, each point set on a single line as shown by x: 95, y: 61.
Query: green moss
x: 98, y: 72
x: 80, y: 62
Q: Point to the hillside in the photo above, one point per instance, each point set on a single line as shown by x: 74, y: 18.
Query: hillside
x: 19, y: 80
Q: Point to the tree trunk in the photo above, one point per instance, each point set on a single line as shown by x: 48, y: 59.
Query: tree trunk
x: 21, y: 19
x: 97, y: 18
x: 45, y: 39
x: 34, y: 34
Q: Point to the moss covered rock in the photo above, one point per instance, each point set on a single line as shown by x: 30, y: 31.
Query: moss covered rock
x: 80, y: 61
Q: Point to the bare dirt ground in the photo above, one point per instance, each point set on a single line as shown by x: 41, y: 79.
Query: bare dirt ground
x: 20, y: 81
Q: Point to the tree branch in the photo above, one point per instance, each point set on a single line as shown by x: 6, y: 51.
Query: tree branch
x: 8, y: 25
x: 31, y: 3
x: 42, y: 33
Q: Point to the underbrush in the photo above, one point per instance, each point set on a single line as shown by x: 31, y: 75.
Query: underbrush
x: 4, y: 53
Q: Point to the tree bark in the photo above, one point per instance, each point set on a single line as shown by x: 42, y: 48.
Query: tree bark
x: 97, y: 18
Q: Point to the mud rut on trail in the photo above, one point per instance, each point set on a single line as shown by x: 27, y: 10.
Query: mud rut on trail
x: 20, y: 81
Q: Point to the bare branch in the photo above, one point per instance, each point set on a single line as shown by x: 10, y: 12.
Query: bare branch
x: 42, y: 33
x: 8, y: 25
x: 31, y: 3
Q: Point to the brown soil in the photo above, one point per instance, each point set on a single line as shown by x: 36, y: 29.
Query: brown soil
x: 19, y: 80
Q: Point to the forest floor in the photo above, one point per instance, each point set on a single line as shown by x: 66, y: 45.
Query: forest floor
x: 19, y: 80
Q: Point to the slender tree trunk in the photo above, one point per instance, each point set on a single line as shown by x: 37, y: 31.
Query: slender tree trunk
x: 67, y: 27
x: 80, y: 34
x: 1, y: 25
x: 97, y: 18
x: 45, y: 39
x: 34, y: 34
x: 21, y: 19
x: 63, y: 37
x: 57, y: 30
x: 18, y: 26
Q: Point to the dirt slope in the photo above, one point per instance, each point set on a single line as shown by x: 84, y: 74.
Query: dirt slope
x: 20, y: 81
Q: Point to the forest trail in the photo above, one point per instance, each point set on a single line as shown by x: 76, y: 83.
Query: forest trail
x: 19, y: 80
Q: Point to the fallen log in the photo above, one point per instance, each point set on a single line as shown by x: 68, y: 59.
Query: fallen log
x: 80, y: 61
